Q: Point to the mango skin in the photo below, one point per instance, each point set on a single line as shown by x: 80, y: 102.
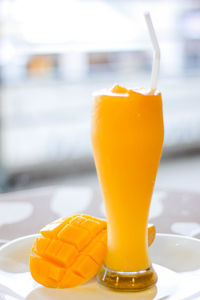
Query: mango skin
x: 69, y: 251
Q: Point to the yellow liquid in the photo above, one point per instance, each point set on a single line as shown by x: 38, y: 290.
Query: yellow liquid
x: 127, y: 137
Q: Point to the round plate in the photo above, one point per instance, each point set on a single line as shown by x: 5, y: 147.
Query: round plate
x: 175, y: 259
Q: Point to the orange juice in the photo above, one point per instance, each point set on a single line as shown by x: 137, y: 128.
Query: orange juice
x: 127, y: 137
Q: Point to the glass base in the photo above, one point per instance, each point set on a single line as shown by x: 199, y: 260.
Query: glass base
x: 127, y: 281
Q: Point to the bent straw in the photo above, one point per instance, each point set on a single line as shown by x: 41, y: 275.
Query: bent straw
x: 156, y: 48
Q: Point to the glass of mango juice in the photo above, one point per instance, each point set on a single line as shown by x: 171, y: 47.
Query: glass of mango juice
x: 127, y: 138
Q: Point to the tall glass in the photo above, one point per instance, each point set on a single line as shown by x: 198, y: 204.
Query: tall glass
x: 127, y: 137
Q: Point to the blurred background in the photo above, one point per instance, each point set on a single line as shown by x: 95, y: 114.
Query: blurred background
x: 55, y: 54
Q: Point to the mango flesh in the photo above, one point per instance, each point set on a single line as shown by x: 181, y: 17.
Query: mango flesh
x: 70, y: 251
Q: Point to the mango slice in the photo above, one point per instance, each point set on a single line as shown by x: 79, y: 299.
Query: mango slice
x: 70, y: 251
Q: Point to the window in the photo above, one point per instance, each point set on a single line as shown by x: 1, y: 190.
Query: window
x: 54, y: 54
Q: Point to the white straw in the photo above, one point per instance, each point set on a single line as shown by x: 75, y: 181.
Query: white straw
x: 156, y: 48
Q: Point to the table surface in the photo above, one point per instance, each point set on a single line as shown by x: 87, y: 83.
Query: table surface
x: 26, y: 212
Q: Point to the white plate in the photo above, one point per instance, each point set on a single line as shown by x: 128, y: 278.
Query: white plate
x: 175, y: 258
